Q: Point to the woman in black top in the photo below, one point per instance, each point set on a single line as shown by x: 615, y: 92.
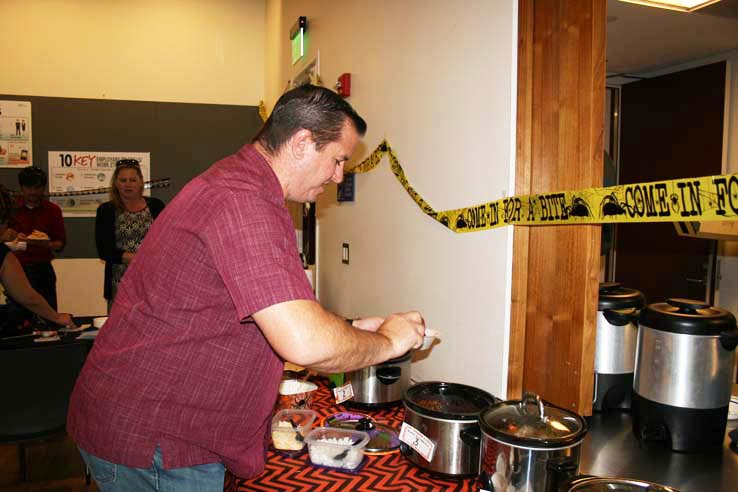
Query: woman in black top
x: 122, y: 223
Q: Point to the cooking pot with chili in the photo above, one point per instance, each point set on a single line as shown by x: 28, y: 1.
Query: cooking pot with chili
x: 448, y: 415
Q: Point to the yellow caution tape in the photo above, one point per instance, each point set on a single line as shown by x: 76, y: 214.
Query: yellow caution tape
x: 708, y: 198
x: 690, y: 199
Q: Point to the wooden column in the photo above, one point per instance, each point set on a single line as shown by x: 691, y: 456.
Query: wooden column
x: 561, y: 92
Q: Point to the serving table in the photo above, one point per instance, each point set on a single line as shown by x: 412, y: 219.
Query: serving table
x: 385, y: 473
x: 610, y: 449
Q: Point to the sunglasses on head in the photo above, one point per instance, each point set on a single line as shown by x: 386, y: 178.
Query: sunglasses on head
x: 127, y: 163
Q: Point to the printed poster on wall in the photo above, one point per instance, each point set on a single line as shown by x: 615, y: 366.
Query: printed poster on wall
x: 15, y: 134
x: 78, y: 171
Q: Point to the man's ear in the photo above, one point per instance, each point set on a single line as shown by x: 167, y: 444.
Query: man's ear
x: 300, y: 142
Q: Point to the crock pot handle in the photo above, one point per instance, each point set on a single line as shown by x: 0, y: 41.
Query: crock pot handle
x: 621, y: 317
x: 561, y: 472
x: 688, y: 306
x: 389, y: 375
x: 471, y: 436
x: 405, y: 450
x: 609, y: 287
x: 533, y: 398
x: 729, y: 340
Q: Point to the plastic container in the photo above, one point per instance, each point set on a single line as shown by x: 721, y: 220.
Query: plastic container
x: 342, y: 449
x: 289, y: 430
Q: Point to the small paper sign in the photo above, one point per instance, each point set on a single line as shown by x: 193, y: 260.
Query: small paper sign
x: 422, y: 445
x: 343, y: 393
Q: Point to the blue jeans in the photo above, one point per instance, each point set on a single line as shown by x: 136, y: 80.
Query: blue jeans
x: 119, y: 478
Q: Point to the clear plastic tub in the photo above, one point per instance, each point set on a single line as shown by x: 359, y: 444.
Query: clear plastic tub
x: 337, y: 448
x: 290, y: 428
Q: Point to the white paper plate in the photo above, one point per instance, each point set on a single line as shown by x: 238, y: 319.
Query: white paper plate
x: 47, y: 339
x: 16, y: 245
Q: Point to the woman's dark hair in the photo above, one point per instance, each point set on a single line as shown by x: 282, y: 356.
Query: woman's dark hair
x: 6, y: 206
x: 32, y: 177
x: 317, y: 109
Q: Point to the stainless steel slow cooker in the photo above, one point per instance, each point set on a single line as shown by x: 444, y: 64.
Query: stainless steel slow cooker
x: 448, y: 415
x: 683, y: 375
x: 381, y: 384
x: 615, y: 346
x: 604, y: 484
x: 525, y: 444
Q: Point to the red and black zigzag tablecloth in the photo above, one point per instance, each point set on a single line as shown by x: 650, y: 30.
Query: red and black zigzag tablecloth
x: 385, y: 473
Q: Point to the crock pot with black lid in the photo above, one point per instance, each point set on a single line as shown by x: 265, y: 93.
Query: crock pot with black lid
x: 448, y: 415
x: 520, y: 438
x: 613, y: 297
x: 615, y: 346
x: 448, y: 400
x: 532, y: 423
x: 690, y: 317
x: 684, y: 372
x: 603, y: 484
x: 380, y: 385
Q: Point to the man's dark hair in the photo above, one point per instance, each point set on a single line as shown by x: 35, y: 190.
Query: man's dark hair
x: 313, y: 108
x: 32, y: 177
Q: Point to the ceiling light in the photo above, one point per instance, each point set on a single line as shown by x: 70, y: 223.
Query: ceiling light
x: 680, y: 5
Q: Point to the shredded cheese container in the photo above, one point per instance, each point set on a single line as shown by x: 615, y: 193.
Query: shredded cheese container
x: 337, y: 448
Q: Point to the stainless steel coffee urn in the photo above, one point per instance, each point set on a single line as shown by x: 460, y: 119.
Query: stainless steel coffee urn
x: 615, y: 346
x: 684, y: 370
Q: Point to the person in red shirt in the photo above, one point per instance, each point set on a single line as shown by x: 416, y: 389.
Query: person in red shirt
x: 16, y: 285
x: 183, y: 378
x: 35, y: 213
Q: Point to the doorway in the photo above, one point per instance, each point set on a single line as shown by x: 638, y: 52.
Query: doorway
x: 671, y: 127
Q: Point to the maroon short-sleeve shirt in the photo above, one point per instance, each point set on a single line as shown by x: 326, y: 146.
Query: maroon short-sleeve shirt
x: 47, y: 218
x: 180, y: 364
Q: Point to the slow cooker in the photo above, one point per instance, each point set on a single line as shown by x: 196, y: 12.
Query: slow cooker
x: 529, y: 445
x: 615, y: 346
x: 684, y: 370
x: 448, y: 415
x: 380, y: 385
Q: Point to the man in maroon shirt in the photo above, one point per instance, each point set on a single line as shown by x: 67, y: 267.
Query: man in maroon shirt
x: 183, y: 378
x: 36, y: 213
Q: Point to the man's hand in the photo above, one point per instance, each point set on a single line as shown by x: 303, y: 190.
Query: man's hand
x: 405, y: 331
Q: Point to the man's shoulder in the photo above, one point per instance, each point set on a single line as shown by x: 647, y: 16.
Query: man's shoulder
x: 49, y: 205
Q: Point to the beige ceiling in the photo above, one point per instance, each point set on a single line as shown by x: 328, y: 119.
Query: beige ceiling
x: 640, y: 39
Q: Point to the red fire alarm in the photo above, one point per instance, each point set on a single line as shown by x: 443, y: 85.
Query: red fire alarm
x: 343, y: 85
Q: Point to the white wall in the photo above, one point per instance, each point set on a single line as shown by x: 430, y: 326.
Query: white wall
x: 150, y: 50
x: 81, y: 298
x: 437, y: 78
x: 191, y: 51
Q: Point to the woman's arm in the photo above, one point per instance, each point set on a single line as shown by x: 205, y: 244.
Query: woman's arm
x: 16, y: 284
x: 105, y: 234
